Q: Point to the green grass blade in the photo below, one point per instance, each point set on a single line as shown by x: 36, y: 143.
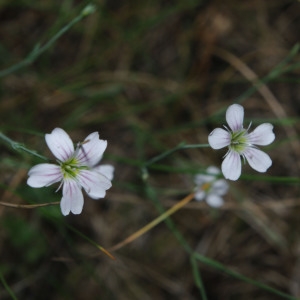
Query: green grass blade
x: 218, y: 266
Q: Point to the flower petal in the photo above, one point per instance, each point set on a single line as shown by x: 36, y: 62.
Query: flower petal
x: 94, y: 183
x: 213, y: 170
x: 220, y: 187
x: 44, y: 175
x: 235, y: 117
x: 202, y: 178
x: 219, y: 138
x: 262, y: 135
x: 232, y: 166
x: 214, y: 200
x: 199, y: 195
x: 211, y: 173
x: 91, y: 150
x: 72, y: 199
x: 106, y: 170
x: 257, y: 159
x: 60, y: 144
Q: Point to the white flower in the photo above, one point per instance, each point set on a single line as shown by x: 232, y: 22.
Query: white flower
x: 76, y: 169
x: 241, y: 143
x: 210, y: 188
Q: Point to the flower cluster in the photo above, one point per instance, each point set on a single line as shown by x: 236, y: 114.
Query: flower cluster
x: 210, y: 188
x: 241, y: 143
x: 76, y: 169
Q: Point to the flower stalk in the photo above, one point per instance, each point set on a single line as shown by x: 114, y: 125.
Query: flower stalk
x: 155, y: 222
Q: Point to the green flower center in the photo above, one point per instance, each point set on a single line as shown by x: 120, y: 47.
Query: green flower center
x: 71, y: 168
x: 206, y: 187
x: 239, y: 141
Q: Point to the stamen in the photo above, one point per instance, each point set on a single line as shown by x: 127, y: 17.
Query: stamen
x: 206, y: 186
x: 249, y: 126
x: 80, y: 146
x: 226, y: 128
x: 60, y: 185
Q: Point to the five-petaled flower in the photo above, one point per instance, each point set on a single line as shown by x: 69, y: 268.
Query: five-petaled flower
x: 241, y: 143
x: 210, y: 188
x: 77, y: 168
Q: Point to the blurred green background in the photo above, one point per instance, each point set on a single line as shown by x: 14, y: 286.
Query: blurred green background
x: 149, y: 75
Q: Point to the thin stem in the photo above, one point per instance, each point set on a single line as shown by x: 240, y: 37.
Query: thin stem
x: 106, y: 252
x: 18, y: 146
x: 216, y: 265
x: 167, y: 153
x: 8, y: 289
x: 197, y: 277
x: 181, y: 240
x: 152, y: 224
x: 37, y: 50
x: 28, y: 206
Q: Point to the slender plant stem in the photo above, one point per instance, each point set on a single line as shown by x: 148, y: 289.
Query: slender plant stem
x: 278, y: 70
x: 37, y: 50
x: 181, y: 240
x: 197, y: 277
x: 18, y: 146
x: 181, y: 146
x: 216, y: 265
x: 28, y: 206
x: 152, y: 224
x: 8, y: 289
x: 106, y: 252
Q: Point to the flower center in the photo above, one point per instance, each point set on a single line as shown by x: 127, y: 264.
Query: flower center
x: 206, y: 187
x: 239, y: 141
x: 71, y: 168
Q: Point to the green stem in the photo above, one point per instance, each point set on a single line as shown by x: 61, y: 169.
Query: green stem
x: 37, y: 50
x: 8, y: 289
x: 197, y: 277
x: 181, y: 146
x: 171, y: 225
x: 17, y: 146
x: 216, y: 265
x: 102, y: 249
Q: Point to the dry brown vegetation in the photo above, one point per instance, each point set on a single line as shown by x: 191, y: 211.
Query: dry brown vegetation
x: 148, y: 75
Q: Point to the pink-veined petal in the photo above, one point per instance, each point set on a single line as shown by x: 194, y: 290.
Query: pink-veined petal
x: 106, y: 170
x: 219, y: 138
x: 44, y: 175
x: 262, y: 135
x: 257, y: 159
x: 214, y: 200
x: 72, y: 199
x: 232, y: 166
x: 91, y: 150
x: 235, y: 117
x: 95, y: 184
x: 60, y: 144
